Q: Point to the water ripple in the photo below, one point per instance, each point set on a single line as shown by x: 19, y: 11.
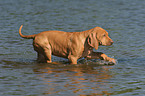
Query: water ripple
x: 21, y: 75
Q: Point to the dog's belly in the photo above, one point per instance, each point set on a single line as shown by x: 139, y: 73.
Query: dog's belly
x: 60, y: 53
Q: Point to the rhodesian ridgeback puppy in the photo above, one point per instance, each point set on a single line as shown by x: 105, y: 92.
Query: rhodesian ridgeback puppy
x: 70, y: 45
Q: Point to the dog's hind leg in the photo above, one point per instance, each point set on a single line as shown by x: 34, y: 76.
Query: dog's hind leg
x: 40, y: 58
x: 47, y: 54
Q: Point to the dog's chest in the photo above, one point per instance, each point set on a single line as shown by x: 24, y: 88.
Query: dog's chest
x: 87, y: 52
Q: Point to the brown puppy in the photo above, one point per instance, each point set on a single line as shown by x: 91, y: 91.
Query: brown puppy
x: 70, y: 45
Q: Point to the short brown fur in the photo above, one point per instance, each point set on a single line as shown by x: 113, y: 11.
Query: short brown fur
x: 70, y: 45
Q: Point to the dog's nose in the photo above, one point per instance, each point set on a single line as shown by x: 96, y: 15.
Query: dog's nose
x: 111, y: 42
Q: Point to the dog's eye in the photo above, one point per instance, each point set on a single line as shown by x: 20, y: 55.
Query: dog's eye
x: 104, y: 35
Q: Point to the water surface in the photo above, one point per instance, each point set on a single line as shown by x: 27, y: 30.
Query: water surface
x: 20, y: 75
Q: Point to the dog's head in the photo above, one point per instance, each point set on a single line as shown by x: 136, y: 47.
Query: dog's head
x: 99, y: 36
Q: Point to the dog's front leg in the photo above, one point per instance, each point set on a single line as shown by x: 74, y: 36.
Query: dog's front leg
x: 102, y: 56
x: 72, y: 59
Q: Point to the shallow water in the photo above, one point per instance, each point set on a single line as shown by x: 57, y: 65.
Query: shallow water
x: 20, y: 75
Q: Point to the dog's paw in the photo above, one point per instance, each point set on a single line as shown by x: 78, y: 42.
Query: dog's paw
x: 112, y: 61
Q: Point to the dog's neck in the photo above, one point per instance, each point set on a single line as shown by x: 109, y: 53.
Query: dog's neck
x: 87, y: 32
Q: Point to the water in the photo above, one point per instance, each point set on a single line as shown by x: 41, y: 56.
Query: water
x: 20, y: 75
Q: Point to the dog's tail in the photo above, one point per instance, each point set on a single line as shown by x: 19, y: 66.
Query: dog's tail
x: 25, y: 36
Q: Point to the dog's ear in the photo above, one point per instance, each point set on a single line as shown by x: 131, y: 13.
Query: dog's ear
x: 92, y: 40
